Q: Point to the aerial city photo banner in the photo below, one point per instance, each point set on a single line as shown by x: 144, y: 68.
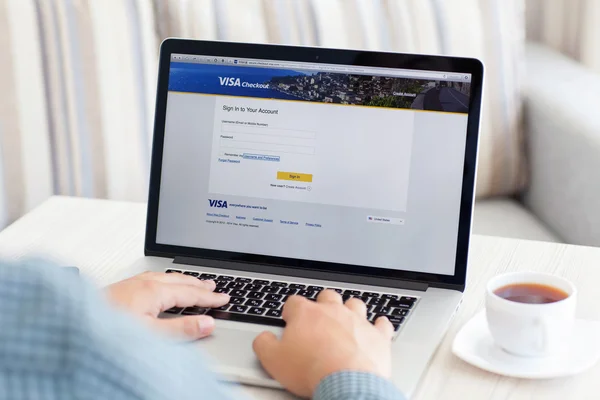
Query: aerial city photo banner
x: 322, y: 87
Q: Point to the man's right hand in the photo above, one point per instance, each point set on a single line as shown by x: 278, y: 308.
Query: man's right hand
x: 323, y: 338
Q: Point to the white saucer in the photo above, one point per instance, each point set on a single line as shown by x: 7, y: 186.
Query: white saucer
x: 474, y: 344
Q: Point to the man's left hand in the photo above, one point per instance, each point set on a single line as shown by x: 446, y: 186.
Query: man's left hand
x: 150, y: 293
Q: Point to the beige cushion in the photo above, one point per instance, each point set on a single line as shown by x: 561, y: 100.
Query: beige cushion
x: 569, y: 26
x: 509, y: 218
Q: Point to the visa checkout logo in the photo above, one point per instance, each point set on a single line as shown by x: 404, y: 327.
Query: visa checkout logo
x: 231, y: 81
x: 227, y: 81
x: 217, y: 203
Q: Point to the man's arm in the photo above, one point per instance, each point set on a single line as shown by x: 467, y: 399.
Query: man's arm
x: 60, y: 340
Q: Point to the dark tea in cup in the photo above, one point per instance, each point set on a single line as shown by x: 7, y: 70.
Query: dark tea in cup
x: 531, y: 293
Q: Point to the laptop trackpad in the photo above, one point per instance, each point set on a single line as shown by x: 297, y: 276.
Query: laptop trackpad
x: 229, y: 349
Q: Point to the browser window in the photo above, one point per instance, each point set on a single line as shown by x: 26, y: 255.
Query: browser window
x: 335, y: 163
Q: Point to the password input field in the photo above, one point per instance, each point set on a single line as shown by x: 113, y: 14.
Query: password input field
x: 276, y: 141
x: 250, y: 137
x: 272, y: 148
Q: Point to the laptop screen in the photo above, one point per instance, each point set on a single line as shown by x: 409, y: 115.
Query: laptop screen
x: 342, y: 164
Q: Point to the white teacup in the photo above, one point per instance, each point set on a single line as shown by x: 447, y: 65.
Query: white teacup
x: 526, y: 329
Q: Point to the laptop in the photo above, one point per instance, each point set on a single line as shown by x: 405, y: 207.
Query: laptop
x: 281, y: 170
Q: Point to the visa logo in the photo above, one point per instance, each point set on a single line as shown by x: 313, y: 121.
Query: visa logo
x: 226, y: 81
x: 217, y: 203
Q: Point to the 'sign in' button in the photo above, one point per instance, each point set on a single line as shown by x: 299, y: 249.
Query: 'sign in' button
x: 385, y: 220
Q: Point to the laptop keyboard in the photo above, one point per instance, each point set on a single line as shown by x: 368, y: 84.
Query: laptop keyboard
x: 261, y: 301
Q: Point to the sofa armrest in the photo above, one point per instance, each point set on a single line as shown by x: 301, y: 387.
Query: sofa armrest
x: 562, y: 119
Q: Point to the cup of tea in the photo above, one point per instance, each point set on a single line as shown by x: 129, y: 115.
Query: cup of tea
x: 530, y: 314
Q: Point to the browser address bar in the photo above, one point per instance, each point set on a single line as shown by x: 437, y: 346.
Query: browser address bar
x: 349, y: 69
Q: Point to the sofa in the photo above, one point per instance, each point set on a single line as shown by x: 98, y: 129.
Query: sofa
x: 77, y: 97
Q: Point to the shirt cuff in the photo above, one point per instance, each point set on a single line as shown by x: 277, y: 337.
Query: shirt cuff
x: 353, y: 385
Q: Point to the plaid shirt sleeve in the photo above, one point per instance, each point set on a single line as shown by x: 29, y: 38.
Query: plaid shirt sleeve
x: 59, y: 340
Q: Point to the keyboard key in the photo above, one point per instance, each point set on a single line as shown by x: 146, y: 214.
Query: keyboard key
x: 371, y: 308
x: 191, y: 273
x: 401, y: 303
x: 238, y: 293
x: 396, y: 321
x: 273, y: 297
x: 401, y: 312
x: 256, y: 311
x: 315, y: 288
x: 223, y: 308
x: 253, y: 303
x: 371, y: 317
x: 297, y: 286
x: 256, y: 319
x: 236, y: 300
x: 352, y: 292
x: 376, y: 301
x: 307, y: 293
x: 273, y: 313
x: 222, y: 290
x: 236, y: 285
x: 380, y: 315
x: 237, y: 308
x: 174, y: 310
x: 270, y: 289
x: 260, y: 282
x: 389, y: 296
x: 194, y: 311
x: 243, y: 280
x: 381, y: 310
x: 255, y: 295
x: 252, y: 287
x: 340, y: 291
x: 408, y: 299
x: 222, y: 283
x: 370, y: 294
x: 208, y: 276
x: 279, y: 284
x: 225, y: 278
x: 272, y: 304
x: 170, y: 271
x: 346, y: 297
x: 288, y: 291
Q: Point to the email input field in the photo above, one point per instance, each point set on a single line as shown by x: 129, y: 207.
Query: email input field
x: 266, y: 130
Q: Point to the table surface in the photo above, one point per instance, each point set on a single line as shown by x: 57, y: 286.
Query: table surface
x: 104, y: 237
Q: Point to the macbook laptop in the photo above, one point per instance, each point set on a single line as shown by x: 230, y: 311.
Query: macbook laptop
x: 280, y: 171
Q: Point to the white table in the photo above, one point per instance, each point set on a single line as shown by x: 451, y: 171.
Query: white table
x: 102, y: 237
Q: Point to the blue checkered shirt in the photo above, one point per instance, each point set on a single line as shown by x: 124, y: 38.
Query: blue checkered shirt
x: 59, y: 340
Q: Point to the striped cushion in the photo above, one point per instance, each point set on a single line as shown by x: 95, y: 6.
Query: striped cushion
x: 78, y: 91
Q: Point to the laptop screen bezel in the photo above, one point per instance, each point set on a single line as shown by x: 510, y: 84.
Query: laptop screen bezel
x: 327, y: 56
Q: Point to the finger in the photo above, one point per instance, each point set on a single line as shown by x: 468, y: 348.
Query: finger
x: 385, y: 327
x: 291, y: 307
x: 189, y: 327
x: 266, y: 347
x: 329, y: 296
x: 357, y: 306
x: 179, y: 279
x: 172, y: 295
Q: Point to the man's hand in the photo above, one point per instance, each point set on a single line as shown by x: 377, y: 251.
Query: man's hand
x: 150, y: 293
x: 322, y: 338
